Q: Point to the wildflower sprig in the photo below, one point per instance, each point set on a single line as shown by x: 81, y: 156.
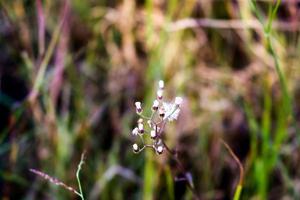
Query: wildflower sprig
x: 153, y: 126
x: 162, y: 112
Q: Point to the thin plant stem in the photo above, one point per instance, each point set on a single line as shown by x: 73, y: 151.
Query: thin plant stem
x: 182, y: 170
x: 62, y: 184
x: 237, y: 192
x: 77, y: 175
x: 287, y: 100
x: 268, y: 37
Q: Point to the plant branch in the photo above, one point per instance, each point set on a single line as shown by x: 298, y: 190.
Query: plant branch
x: 182, y: 170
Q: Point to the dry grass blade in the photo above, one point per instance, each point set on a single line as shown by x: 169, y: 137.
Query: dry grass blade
x: 238, y: 189
x: 237, y: 160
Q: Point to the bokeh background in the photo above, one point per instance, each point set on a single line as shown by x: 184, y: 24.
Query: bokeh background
x: 71, y: 70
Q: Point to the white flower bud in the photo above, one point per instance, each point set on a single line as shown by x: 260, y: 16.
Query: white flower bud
x: 155, y: 104
x: 160, y: 94
x: 178, y: 101
x: 135, y: 147
x: 141, y: 128
x: 138, y: 106
x: 153, y: 134
x: 140, y: 121
x: 135, y: 131
x: 161, y: 84
x: 159, y: 149
x: 162, y: 112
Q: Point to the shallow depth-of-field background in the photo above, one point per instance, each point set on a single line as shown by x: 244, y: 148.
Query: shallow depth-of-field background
x: 70, y: 72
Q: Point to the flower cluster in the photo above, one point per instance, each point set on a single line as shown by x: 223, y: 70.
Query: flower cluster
x: 153, y: 126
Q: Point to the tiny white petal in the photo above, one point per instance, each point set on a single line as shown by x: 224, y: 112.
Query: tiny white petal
x: 161, y: 84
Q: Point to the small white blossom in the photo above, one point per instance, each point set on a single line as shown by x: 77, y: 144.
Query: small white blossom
x: 135, y: 147
x: 135, y: 131
x: 178, y: 101
x: 138, y: 106
x: 159, y: 149
x: 140, y: 121
x: 159, y: 94
x: 153, y: 134
x: 162, y: 112
x: 140, y: 128
x: 161, y: 84
x: 171, y: 111
x: 155, y: 105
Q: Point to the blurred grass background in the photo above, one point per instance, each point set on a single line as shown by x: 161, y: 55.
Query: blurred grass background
x: 70, y: 72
